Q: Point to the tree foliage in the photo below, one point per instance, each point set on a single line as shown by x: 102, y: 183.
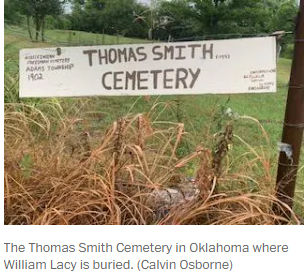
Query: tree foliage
x: 162, y: 19
x: 37, y: 10
x: 11, y: 14
x: 109, y: 16
x: 181, y: 20
x: 232, y: 16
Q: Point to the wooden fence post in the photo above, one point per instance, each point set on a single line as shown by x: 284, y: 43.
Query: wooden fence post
x: 293, y: 125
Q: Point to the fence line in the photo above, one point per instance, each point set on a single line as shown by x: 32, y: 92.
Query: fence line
x: 230, y: 35
x: 74, y: 37
x: 116, y: 38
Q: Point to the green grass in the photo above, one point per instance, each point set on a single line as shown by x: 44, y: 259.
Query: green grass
x: 83, y: 38
x: 201, y: 114
x: 72, y: 37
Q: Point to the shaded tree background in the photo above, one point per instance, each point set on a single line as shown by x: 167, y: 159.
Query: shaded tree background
x: 35, y: 10
x: 162, y: 20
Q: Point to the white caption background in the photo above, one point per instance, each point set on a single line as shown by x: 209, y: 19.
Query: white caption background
x: 250, y: 264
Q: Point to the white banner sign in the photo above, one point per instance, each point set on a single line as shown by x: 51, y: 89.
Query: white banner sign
x: 218, y: 66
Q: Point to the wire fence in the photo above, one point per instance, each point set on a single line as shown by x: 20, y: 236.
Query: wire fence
x: 72, y: 37
x: 229, y: 36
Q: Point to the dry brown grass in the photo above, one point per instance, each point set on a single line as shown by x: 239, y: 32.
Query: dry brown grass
x: 57, y: 172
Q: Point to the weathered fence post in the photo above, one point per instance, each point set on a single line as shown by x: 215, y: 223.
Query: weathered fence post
x: 293, y: 125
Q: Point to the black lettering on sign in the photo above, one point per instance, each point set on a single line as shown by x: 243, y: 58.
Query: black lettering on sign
x: 193, y: 47
x: 260, y: 87
x: 180, y: 78
x: 132, y: 55
x: 103, y: 57
x: 122, y: 55
x: 117, y: 80
x: 130, y: 77
x: 155, y: 77
x: 194, y: 76
x: 35, y: 68
x: 112, y: 55
x: 35, y: 77
x: 89, y: 53
x: 167, y: 79
x: 208, y: 51
x: 169, y: 50
x: 224, y: 56
x: 104, y: 82
x: 61, y: 67
x: 155, y: 51
x: 139, y: 79
x: 143, y: 55
x: 180, y: 57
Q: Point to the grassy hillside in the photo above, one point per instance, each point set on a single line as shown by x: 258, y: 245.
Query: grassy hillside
x: 249, y: 166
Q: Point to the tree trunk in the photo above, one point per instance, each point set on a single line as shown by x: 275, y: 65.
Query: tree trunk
x: 37, y: 27
x: 29, y: 28
x: 150, y: 34
x: 43, y: 29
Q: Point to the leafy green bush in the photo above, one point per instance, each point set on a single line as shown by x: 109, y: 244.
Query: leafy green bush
x: 288, y: 51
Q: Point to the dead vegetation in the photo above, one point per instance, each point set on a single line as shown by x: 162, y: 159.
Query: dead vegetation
x: 59, y: 172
